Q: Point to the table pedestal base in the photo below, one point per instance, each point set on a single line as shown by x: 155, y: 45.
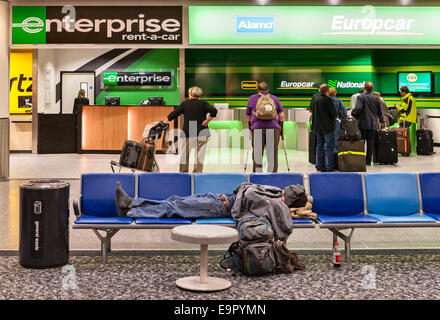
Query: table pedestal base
x: 193, y: 283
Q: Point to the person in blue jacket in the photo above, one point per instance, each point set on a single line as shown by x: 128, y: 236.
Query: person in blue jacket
x: 341, y: 114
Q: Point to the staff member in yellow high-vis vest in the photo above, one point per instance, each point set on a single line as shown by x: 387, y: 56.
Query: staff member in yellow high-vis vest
x: 407, y: 109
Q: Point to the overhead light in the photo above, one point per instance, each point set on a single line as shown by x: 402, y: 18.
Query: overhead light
x: 405, y: 2
x: 334, y: 2
x: 262, y: 2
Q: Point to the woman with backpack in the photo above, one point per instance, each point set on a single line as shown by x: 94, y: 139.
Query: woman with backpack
x: 341, y: 114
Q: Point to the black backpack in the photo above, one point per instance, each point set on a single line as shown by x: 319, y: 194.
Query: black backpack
x: 349, y: 130
x: 254, y: 253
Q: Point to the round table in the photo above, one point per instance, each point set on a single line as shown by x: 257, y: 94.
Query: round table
x: 204, y: 235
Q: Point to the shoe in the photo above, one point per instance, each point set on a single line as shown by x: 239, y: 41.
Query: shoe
x: 283, y: 257
x: 295, y: 261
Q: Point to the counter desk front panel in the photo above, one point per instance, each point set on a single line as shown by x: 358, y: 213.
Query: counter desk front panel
x: 105, y: 128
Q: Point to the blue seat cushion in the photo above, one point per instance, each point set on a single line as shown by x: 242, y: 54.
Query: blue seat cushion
x: 302, y: 221
x: 217, y: 182
x: 392, y: 194
x: 357, y: 218
x: 162, y: 221
x: 216, y: 221
x: 429, y: 186
x: 435, y: 216
x: 412, y: 218
x: 280, y: 180
x: 160, y: 186
x: 337, y: 194
x: 86, y: 219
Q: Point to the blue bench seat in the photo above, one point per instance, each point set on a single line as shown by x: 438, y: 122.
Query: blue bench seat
x: 357, y: 218
x: 412, y: 218
x: 216, y: 221
x: 86, y: 219
x: 162, y: 221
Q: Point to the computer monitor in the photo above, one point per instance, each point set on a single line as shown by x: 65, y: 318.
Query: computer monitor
x: 112, y: 101
x: 156, y: 101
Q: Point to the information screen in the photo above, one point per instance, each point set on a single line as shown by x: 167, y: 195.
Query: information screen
x: 417, y: 82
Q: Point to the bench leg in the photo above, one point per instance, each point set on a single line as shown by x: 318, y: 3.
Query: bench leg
x: 347, y: 241
x: 105, y: 242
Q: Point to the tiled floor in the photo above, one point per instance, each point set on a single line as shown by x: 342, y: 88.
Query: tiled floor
x: 70, y: 166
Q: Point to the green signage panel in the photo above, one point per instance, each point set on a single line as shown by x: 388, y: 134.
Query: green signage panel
x: 416, y: 81
x: 314, y: 25
x: 29, y: 25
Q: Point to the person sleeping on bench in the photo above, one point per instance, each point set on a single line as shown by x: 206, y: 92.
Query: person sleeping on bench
x: 204, y: 206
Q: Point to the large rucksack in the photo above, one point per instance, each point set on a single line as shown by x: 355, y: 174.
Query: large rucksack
x: 254, y: 253
x: 265, y: 109
x: 349, y: 130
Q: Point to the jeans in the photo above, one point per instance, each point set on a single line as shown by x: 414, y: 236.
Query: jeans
x: 325, y: 145
x: 197, y: 206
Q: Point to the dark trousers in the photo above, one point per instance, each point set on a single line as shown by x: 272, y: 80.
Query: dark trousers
x: 265, y: 138
x: 370, y: 139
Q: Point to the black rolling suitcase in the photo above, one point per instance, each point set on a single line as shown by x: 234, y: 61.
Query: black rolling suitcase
x: 425, y: 142
x: 312, y: 147
x: 385, y: 149
x: 129, y: 154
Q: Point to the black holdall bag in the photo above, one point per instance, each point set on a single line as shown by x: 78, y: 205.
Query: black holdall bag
x: 349, y: 130
x: 351, y: 156
x: 385, y: 148
x: 129, y: 154
x: 425, y: 142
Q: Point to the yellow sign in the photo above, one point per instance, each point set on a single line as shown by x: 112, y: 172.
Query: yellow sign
x: 249, y: 85
x: 20, y: 82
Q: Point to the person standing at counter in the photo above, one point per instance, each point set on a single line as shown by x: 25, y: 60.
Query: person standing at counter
x: 81, y: 100
x: 368, y: 113
x: 265, y: 116
x: 407, y: 109
x: 195, y: 128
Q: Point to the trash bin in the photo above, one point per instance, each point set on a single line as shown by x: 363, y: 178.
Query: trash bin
x: 44, y: 223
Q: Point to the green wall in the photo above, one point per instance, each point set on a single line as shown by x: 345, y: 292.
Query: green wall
x: 154, y: 60
x: 219, y: 72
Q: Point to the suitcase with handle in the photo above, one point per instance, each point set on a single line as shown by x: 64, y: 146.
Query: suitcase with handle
x: 146, y: 158
x: 385, y: 151
x: 351, y: 156
x: 129, y: 154
x: 403, y: 143
x: 425, y: 142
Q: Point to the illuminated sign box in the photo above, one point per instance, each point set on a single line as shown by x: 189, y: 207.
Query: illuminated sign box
x: 417, y: 82
x: 314, y: 25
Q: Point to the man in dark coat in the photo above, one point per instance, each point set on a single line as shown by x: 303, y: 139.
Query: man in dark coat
x: 323, y: 124
x: 368, y: 113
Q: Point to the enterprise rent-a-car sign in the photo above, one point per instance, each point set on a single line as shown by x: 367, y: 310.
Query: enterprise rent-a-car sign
x: 314, y: 25
x: 81, y: 24
x: 137, y: 78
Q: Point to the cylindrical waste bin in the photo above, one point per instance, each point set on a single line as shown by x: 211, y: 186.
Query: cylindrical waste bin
x: 44, y: 223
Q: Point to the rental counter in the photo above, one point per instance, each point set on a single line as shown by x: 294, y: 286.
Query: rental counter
x: 105, y: 128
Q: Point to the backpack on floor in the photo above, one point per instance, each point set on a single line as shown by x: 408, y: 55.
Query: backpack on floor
x: 254, y: 253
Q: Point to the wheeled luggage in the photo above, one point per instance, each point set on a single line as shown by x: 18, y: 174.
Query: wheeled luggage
x: 351, y: 156
x: 425, y: 142
x: 312, y: 147
x: 146, y: 156
x: 385, y: 149
x: 349, y: 130
x: 403, y: 143
x: 129, y: 154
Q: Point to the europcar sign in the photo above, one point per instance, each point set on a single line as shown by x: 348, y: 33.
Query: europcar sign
x: 314, y: 25
x: 50, y: 25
